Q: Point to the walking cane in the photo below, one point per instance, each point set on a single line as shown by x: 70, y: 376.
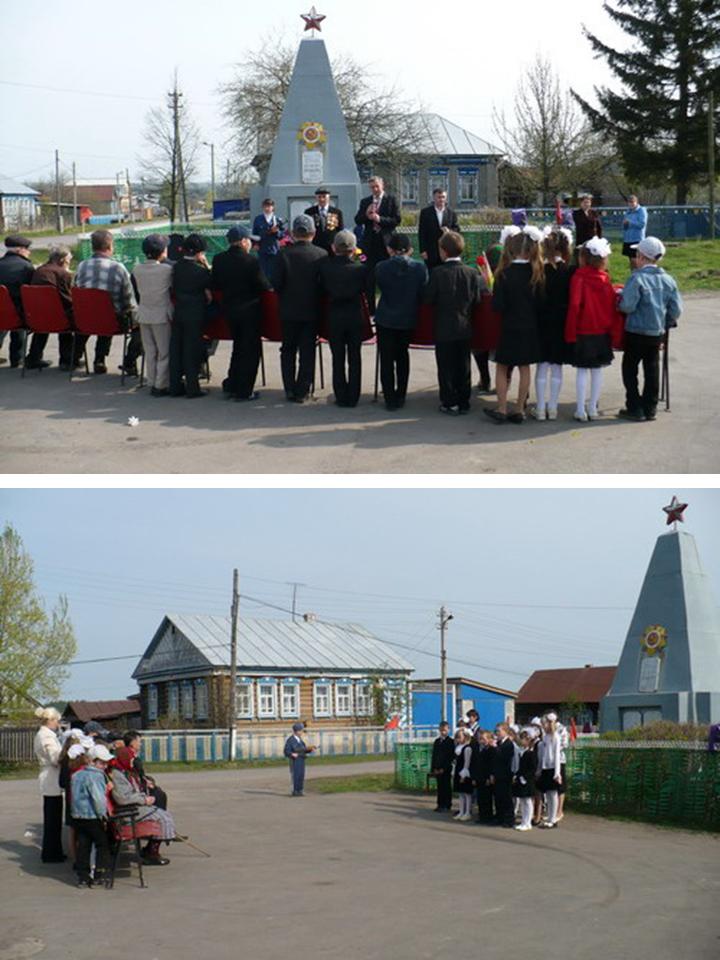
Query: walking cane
x: 665, y: 383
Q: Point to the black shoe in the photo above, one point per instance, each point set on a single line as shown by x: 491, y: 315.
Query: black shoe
x: 636, y: 415
x: 130, y: 370
x: 37, y: 364
x: 495, y: 415
x: 194, y: 396
x: 64, y: 365
x: 516, y: 417
x: 157, y: 861
x: 155, y: 392
x: 299, y: 400
x: 253, y: 396
x: 84, y: 883
x: 60, y: 859
x: 392, y: 406
x: 463, y: 410
x: 14, y: 364
x: 99, y: 367
x: 450, y: 411
x: 651, y: 415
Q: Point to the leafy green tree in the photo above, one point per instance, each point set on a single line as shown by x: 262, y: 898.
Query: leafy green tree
x: 35, y: 646
x: 658, y: 119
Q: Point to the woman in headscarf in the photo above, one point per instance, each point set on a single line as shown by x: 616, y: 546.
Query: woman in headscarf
x: 127, y: 790
x: 47, y: 750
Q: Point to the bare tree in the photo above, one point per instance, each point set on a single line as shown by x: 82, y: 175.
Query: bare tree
x: 549, y: 144
x: 173, y: 141
x: 381, y: 122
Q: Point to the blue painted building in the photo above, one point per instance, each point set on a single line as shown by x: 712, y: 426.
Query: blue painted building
x: 492, y: 703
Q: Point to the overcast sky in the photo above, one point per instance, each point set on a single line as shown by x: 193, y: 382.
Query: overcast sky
x: 458, y: 60
x: 534, y: 579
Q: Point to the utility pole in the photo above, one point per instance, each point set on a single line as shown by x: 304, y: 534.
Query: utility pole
x: 212, y: 169
x: 177, y: 151
x: 130, y: 209
x: 58, y: 220
x: 75, y: 203
x: 232, y: 726
x: 445, y: 618
x: 711, y: 160
x: 172, y: 97
x: 294, y: 599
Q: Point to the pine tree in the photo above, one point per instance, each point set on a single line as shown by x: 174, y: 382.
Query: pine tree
x: 658, y: 122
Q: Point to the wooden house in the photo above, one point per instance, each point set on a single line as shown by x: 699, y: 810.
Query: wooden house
x: 324, y: 674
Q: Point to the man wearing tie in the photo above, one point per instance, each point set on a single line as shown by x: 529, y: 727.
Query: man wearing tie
x: 328, y: 220
x: 434, y: 221
x: 379, y: 216
x: 269, y: 231
x: 296, y: 750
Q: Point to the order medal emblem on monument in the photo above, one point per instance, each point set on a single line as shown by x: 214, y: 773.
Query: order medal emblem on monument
x: 312, y: 136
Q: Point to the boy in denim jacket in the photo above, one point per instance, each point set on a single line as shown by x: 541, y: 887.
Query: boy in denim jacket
x: 652, y: 303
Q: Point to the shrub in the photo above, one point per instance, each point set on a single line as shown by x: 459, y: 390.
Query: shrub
x: 660, y: 730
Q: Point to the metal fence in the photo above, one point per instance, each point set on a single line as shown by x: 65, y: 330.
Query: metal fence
x: 669, y: 782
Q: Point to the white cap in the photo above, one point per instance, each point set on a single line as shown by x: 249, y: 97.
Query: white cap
x: 99, y: 752
x: 598, y: 247
x: 652, y: 248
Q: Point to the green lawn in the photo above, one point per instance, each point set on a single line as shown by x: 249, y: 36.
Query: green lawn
x: 28, y: 771
x: 695, y: 264
x: 361, y: 783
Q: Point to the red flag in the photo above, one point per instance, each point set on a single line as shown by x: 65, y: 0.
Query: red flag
x: 393, y: 723
x: 573, y: 729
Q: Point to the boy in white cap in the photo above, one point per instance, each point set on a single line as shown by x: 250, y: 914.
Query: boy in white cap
x: 89, y: 810
x: 652, y: 303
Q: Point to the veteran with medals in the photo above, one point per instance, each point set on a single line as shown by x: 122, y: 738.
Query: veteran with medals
x: 328, y: 220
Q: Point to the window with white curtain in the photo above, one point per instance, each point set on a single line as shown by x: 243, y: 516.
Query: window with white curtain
x: 267, y: 699
x: 244, y: 700
x: 290, y: 699
x: 321, y: 699
x: 201, y: 699
x: 343, y: 699
x: 363, y: 700
x: 187, y: 701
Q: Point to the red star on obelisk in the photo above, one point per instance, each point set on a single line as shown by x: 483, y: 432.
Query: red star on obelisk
x: 313, y: 20
x: 675, y: 511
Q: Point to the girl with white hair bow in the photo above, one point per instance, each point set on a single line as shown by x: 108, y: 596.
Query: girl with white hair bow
x: 557, y: 250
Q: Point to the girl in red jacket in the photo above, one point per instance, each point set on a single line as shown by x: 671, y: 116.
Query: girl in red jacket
x: 589, y: 325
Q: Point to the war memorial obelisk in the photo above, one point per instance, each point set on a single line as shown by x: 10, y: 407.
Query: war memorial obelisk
x: 669, y: 668
x: 312, y: 147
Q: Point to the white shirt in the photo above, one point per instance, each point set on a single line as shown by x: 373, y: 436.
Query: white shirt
x: 440, y: 214
x: 549, y: 753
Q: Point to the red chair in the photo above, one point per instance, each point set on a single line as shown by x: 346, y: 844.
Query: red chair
x: 94, y: 315
x: 10, y: 319
x: 486, y: 325
x: 44, y: 311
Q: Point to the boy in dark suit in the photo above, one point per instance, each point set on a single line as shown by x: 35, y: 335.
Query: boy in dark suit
x: 502, y: 777
x: 453, y: 291
x: 441, y: 766
x: 401, y: 282
x: 328, y: 220
x: 269, y: 230
x: 298, y: 286
x: 379, y: 216
x: 433, y: 222
x: 343, y: 280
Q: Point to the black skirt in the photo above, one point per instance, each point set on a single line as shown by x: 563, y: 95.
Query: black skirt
x: 547, y: 781
x: 592, y: 350
x: 563, y: 786
x: 526, y: 789
x: 519, y: 346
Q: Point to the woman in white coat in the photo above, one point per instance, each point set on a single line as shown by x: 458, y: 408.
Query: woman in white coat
x: 47, y: 750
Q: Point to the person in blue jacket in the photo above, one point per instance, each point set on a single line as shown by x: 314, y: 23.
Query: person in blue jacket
x: 296, y: 750
x: 401, y: 282
x: 652, y: 303
x: 269, y: 230
x: 634, y: 226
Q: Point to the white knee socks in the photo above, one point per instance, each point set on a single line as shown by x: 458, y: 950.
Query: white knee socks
x: 596, y: 379
x: 541, y: 378
x: 581, y: 378
x: 465, y: 804
x: 556, y: 381
x: 541, y: 372
x: 551, y: 799
x: 526, y: 811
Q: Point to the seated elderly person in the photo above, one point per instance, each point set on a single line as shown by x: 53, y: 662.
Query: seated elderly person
x: 16, y: 269
x: 127, y: 791
x: 56, y: 273
x: 133, y: 740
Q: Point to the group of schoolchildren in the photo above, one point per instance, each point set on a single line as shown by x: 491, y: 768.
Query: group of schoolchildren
x: 97, y: 772
x: 515, y: 776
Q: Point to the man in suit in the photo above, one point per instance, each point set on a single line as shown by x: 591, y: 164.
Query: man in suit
x: 343, y: 280
x: 296, y: 750
x: 269, y: 231
x: 298, y: 287
x: 443, y: 755
x: 587, y: 221
x: 502, y: 777
x: 328, y: 220
x: 401, y: 282
x: 239, y: 278
x: 453, y: 292
x: 434, y: 221
x: 379, y: 216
